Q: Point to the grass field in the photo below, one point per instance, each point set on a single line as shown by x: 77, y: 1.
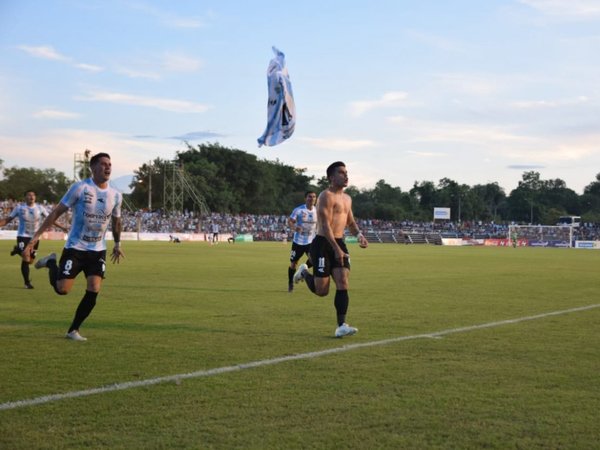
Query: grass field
x: 178, y: 309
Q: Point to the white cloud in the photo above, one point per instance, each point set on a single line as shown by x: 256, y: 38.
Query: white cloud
x: 471, y: 84
x: 426, y: 154
x: 547, y: 104
x: 169, y: 19
x: 60, y: 146
x: 43, y: 52
x: 89, y: 67
x: 166, y: 104
x: 48, y: 52
x: 154, y: 68
x: 134, y: 73
x: 439, y: 42
x: 339, y: 143
x: 173, y: 62
x: 55, y: 114
x: 432, y: 131
x: 580, y: 9
x: 387, y: 100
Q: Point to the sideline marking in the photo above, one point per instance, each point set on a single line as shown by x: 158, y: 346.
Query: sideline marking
x: 267, y: 362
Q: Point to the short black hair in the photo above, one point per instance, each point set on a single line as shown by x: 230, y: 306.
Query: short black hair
x: 309, y: 192
x: 28, y: 191
x: 97, y: 156
x: 333, y: 166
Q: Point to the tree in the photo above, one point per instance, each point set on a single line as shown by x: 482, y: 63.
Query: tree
x: 232, y: 181
x: 48, y: 184
x: 490, y: 196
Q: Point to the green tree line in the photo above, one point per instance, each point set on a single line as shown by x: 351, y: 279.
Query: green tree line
x: 234, y: 181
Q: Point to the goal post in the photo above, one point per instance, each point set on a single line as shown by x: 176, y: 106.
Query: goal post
x: 542, y: 235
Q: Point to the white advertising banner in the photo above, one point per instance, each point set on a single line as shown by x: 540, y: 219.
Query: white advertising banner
x: 441, y: 213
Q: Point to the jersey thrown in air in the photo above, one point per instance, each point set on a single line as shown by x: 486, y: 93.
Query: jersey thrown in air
x: 92, y: 208
x: 30, y: 218
x: 307, y: 220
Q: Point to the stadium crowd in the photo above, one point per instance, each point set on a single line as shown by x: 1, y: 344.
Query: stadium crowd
x: 275, y: 227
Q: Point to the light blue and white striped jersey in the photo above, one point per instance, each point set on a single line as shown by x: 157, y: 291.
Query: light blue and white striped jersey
x: 281, y: 108
x: 307, y: 220
x: 92, y: 210
x: 30, y: 218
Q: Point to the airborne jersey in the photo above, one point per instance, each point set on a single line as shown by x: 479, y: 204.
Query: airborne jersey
x: 92, y: 208
x: 30, y: 218
x: 307, y: 220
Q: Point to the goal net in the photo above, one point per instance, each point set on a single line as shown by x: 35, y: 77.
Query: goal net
x: 542, y: 235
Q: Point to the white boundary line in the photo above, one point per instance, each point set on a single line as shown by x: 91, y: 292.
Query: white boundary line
x: 267, y: 362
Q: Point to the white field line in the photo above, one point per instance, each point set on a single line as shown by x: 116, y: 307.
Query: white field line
x: 267, y: 362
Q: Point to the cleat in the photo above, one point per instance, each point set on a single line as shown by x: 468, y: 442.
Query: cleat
x: 299, y: 275
x: 28, y: 285
x: 75, y: 336
x: 345, y: 330
x: 44, y: 261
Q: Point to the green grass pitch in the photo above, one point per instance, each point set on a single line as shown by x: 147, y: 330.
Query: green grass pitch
x: 172, y: 309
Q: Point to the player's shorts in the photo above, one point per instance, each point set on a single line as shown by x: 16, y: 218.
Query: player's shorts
x: 22, y: 242
x: 299, y: 250
x: 73, y: 261
x: 323, y: 256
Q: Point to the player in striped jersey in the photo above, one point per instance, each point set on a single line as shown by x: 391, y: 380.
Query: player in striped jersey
x: 95, y: 204
x: 30, y: 215
x: 303, y: 220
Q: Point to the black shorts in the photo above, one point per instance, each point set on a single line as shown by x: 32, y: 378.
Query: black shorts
x: 22, y: 242
x: 299, y: 250
x: 323, y: 256
x: 73, y: 261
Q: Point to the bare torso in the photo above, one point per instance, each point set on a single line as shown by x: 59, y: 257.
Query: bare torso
x: 333, y: 208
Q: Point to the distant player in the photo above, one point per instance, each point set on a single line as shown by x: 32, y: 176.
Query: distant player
x: 514, y: 238
x: 328, y: 250
x: 95, y: 204
x: 30, y: 215
x: 214, y: 228
x: 303, y: 220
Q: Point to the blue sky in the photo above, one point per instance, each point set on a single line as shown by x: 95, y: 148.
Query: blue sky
x: 405, y: 91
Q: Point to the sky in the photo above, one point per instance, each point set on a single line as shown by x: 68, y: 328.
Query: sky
x: 402, y: 91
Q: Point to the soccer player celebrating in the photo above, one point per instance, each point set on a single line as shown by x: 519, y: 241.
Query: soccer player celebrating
x: 328, y: 251
x: 303, y: 220
x: 30, y: 215
x: 95, y: 203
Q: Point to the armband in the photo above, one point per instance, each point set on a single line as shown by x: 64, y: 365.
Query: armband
x: 359, y: 235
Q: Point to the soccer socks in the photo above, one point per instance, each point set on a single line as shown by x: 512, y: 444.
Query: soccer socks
x: 25, y: 271
x: 290, y: 276
x: 310, y: 280
x: 53, y: 275
x: 309, y: 263
x: 341, y: 305
x: 84, y: 309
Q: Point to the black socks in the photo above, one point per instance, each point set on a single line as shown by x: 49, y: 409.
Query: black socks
x: 25, y: 271
x: 341, y: 305
x: 53, y: 274
x: 84, y: 309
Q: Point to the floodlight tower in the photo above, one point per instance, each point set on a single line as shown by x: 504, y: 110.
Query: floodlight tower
x: 81, y: 165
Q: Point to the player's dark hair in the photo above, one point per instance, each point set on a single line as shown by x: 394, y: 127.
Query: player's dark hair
x: 97, y: 156
x: 309, y: 192
x: 29, y: 190
x: 333, y: 166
